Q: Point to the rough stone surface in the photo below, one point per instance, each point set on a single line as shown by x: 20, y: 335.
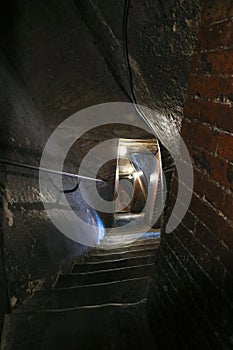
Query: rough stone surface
x: 50, y: 68
x: 161, y: 40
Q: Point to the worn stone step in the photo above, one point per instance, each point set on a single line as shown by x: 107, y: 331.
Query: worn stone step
x: 118, y: 255
x: 129, y: 248
x: 112, y: 264
x: 139, y: 242
x: 125, y: 239
x: 107, y: 327
x: 79, y: 279
x: 124, y: 291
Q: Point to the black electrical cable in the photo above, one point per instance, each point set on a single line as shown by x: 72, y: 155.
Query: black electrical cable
x: 126, y: 49
x: 133, y: 98
x: 127, y: 4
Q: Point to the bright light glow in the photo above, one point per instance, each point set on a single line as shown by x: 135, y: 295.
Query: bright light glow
x: 126, y: 169
x: 137, y: 174
x: 122, y: 151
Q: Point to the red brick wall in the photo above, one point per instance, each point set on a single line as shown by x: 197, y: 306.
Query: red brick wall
x: 191, y: 300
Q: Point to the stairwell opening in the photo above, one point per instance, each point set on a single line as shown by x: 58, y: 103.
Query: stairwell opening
x: 138, y: 164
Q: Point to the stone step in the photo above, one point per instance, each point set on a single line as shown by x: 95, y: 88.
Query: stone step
x: 79, y: 279
x: 112, y: 264
x: 107, y: 327
x: 119, y: 255
x: 124, y: 291
x: 148, y: 246
x: 116, y: 242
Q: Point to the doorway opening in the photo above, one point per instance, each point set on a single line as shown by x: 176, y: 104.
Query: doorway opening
x: 139, y: 200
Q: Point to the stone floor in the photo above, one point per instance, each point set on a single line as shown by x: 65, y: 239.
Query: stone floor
x: 100, y: 304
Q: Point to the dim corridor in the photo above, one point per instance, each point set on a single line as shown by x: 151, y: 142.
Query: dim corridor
x: 59, y: 58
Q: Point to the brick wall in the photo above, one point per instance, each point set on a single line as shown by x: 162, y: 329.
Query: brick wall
x: 191, y: 299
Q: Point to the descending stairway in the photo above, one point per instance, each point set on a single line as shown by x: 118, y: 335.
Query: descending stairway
x: 99, y: 305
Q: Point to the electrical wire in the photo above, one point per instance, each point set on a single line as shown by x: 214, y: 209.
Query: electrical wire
x: 38, y: 168
x: 51, y: 171
x: 133, y: 98
x: 126, y: 49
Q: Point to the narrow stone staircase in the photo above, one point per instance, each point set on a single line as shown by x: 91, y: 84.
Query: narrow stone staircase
x: 100, y: 304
